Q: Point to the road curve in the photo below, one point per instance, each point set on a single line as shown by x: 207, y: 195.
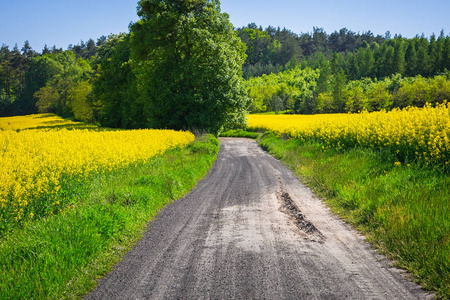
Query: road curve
x: 251, y: 230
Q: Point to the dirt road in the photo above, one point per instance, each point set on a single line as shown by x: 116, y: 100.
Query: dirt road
x: 250, y: 230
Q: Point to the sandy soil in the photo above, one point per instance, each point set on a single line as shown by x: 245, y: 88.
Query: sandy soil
x: 251, y: 230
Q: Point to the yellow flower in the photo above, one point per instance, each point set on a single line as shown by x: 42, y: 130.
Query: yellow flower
x: 412, y: 131
x: 33, y: 162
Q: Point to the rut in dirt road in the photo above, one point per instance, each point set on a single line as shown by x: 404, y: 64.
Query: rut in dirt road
x: 250, y: 230
x: 289, y: 207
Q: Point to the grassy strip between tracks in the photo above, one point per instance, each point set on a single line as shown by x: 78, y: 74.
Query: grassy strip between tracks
x: 403, y: 210
x: 62, y: 256
x: 239, y: 133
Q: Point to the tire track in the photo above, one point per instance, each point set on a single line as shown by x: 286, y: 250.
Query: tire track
x: 289, y: 207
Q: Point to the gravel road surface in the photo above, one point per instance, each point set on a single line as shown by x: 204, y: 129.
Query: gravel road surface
x: 251, y: 230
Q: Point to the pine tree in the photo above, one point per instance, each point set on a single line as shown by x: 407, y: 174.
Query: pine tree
x: 423, y: 60
x: 411, y: 59
x: 445, y: 61
x: 399, y: 57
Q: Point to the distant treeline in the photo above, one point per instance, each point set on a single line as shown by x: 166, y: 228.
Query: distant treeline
x: 308, y: 91
x: 344, y: 71
x: 327, y: 70
x: 30, y: 81
x: 359, y: 55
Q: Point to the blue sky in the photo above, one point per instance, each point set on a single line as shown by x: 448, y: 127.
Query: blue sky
x: 66, y: 22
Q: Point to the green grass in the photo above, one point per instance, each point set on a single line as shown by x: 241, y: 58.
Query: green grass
x: 281, y: 112
x: 240, y: 133
x: 404, y: 211
x: 62, y: 256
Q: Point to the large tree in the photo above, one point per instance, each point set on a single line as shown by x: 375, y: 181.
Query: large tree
x: 114, y: 85
x: 188, y: 61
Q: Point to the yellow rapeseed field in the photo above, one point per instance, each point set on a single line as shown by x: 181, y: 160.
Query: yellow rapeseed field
x: 40, y: 121
x: 34, y: 162
x: 410, y: 134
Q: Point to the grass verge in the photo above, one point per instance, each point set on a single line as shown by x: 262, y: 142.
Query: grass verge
x: 403, y: 210
x: 62, y: 256
x: 240, y: 133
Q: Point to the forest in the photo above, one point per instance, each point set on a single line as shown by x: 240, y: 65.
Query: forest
x: 305, y: 73
x: 360, y: 55
x: 50, y: 81
x: 344, y: 71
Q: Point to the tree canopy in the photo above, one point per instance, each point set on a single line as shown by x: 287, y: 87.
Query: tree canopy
x: 188, y: 61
